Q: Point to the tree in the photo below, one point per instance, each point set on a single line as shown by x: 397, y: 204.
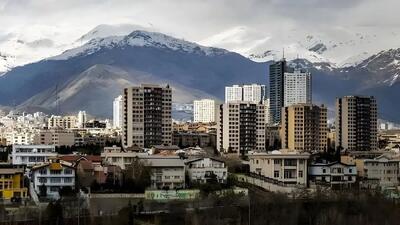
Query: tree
x: 140, y: 173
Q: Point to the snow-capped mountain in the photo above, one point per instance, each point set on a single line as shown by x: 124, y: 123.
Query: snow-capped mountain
x: 88, y: 76
x: 338, y: 46
x: 27, y: 45
x: 383, y: 68
x: 139, y: 39
x: 106, y: 30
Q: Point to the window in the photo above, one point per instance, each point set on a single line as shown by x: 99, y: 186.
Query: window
x: 43, y: 171
x: 68, y: 180
x: 276, y: 174
x: 167, y: 177
x: 67, y: 171
x: 55, y: 171
x: 300, y: 173
x: 323, y: 170
x: 55, y: 180
x: 277, y: 161
x: 42, y: 180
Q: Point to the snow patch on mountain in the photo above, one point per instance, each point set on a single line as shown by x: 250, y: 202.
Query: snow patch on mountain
x: 106, y: 30
x: 141, y: 39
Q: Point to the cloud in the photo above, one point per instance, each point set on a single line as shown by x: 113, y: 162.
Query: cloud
x: 197, y: 20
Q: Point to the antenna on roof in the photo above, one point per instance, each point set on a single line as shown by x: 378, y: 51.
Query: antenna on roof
x: 283, y: 53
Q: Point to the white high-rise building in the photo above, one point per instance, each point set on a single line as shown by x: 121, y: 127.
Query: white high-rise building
x: 267, y: 114
x: 81, y: 119
x: 254, y: 93
x: 234, y: 93
x: 204, y: 111
x: 297, y: 87
x: 117, y: 112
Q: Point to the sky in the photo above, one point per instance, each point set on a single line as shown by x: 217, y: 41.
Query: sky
x: 239, y: 25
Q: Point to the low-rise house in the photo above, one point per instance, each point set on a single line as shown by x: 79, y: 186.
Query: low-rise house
x: 281, y: 167
x: 203, y: 170
x: 12, y: 183
x: 167, y: 172
x: 30, y: 155
x: 335, y: 174
x: 118, y: 157
x: 382, y: 171
x: 48, y: 178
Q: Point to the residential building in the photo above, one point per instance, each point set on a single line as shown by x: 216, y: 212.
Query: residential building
x: 204, y: 111
x: 233, y: 93
x: 272, y: 137
x: 82, y: 118
x: 116, y: 156
x: 283, y: 167
x: 20, y: 137
x: 167, y: 172
x: 147, y: 116
x: 12, y: 183
x: 297, y: 87
x: 202, y: 170
x: 196, y: 127
x: 334, y: 174
x: 254, y: 93
x: 95, y: 124
x: 190, y: 139
x: 31, y: 155
x: 267, y: 112
x: 276, y: 90
x: 356, y: 123
x: 117, y: 112
x: 66, y: 122
x: 51, y: 176
x: 54, y: 137
x: 382, y: 171
x: 304, y: 128
x: 241, y: 127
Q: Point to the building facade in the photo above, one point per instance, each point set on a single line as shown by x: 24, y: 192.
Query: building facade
x: 82, y: 118
x: 381, y: 171
x: 204, y: 111
x: 117, y: 112
x: 12, y: 183
x: 281, y: 166
x: 304, y: 128
x: 336, y: 174
x: 54, y: 137
x: 241, y: 128
x: 203, y: 170
x: 254, y: 93
x: 276, y: 90
x: 66, y: 122
x: 30, y: 155
x: 167, y: 172
x: 356, y: 123
x: 51, y: 176
x: 147, y: 117
x: 297, y: 87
